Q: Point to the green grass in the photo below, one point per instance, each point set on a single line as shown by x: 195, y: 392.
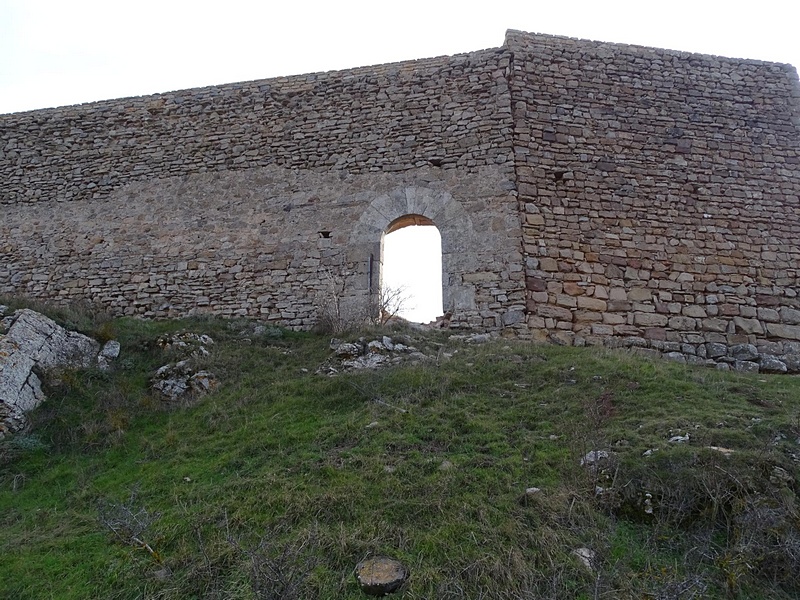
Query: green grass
x: 283, y: 479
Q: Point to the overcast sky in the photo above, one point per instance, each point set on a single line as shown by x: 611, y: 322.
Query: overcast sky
x: 57, y: 52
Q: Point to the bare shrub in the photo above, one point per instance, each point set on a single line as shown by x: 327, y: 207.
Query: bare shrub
x: 339, y: 312
x: 280, y: 570
x: 130, y: 523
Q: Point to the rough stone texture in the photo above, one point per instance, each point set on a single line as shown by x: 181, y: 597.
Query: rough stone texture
x: 48, y: 344
x: 380, y: 575
x: 34, y: 341
x: 586, y: 193
x: 665, y: 186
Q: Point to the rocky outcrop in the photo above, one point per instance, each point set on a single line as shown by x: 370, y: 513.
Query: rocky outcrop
x: 184, y: 380
x: 32, y: 344
x: 364, y: 354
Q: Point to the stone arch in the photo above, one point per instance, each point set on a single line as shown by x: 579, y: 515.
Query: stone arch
x: 439, y: 208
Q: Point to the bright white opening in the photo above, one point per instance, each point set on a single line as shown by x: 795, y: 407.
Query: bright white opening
x: 412, y: 262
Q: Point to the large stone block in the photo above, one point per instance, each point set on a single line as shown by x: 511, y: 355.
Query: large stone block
x: 787, y: 332
x: 650, y: 320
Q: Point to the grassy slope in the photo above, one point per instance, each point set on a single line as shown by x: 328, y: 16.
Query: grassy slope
x: 278, y: 483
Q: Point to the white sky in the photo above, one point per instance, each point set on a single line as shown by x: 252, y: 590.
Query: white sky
x: 58, y: 52
x: 412, y: 265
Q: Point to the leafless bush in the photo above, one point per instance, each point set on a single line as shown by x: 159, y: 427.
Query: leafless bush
x: 130, y: 523
x: 279, y: 571
x: 339, y: 312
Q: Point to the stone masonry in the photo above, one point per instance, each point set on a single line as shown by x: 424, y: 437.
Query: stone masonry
x: 587, y: 193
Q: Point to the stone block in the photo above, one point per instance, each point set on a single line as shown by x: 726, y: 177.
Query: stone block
x: 601, y: 329
x: 682, y: 323
x: 787, y: 332
x: 715, y: 350
x: 718, y: 325
x: 587, y: 316
x: 789, y: 316
x: 592, y: 303
x: 748, y: 325
x: 548, y: 264
x: 627, y: 330
x: 655, y: 333
x: 613, y: 318
x: 745, y: 366
x: 771, y: 364
x: 792, y: 362
x: 650, y: 319
x: 573, y: 289
x: 695, y: 311
x: 554, y: 312
x: 743, y: 352
x: 770, y: 315
x: 640, y: 294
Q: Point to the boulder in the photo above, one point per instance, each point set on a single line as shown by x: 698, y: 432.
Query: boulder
x: 380, y: 575
x: 35, y: 343
x: 49, y: 344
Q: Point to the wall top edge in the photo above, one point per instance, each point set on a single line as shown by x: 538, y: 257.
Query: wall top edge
x: 379, y: 69
x: 516, y: 37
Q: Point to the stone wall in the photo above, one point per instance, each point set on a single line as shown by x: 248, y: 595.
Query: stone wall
x: 266, y: 198
x: 587, y: 193
x: 660, y: 194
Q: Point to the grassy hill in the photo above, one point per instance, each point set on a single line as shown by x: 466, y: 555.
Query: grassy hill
x: 277, y: 483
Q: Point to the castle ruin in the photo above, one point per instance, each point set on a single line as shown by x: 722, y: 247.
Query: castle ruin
x: 585, y: 192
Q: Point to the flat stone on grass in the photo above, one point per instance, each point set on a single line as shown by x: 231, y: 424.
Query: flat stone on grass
x: 380, y: 575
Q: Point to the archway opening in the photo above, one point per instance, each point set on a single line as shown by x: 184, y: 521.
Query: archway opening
x: 411, y: 274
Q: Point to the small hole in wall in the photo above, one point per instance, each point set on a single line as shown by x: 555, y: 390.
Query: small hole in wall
x: 559, y: 175
x: 325, y: 234
x: 435, y: 162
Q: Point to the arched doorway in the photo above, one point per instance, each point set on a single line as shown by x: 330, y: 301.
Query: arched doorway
x: 411, y: 273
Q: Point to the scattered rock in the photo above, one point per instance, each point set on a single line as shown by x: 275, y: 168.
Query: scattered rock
x: 586, y: 557
x: 650, y: 452
x: 721, y: 450
x: 648, y: 503
x: 380, y: 575
x: 49, y: 344
x: 679, y: 439
x: 178, y: 381
x: 446, y: 465
x: 781, y: 476
x: 594, y: 457
x: 109, y: 352
x: 347, y: 350
x: 189, y: 344
x: 532, y: 491
x: 363, y: 354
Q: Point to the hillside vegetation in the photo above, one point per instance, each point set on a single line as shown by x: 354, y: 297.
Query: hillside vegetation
x: 280, y: 481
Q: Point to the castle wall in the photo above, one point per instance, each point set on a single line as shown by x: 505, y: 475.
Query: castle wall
x: 586, y: 193
x: 267, y: 198
x: 660, y: 194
